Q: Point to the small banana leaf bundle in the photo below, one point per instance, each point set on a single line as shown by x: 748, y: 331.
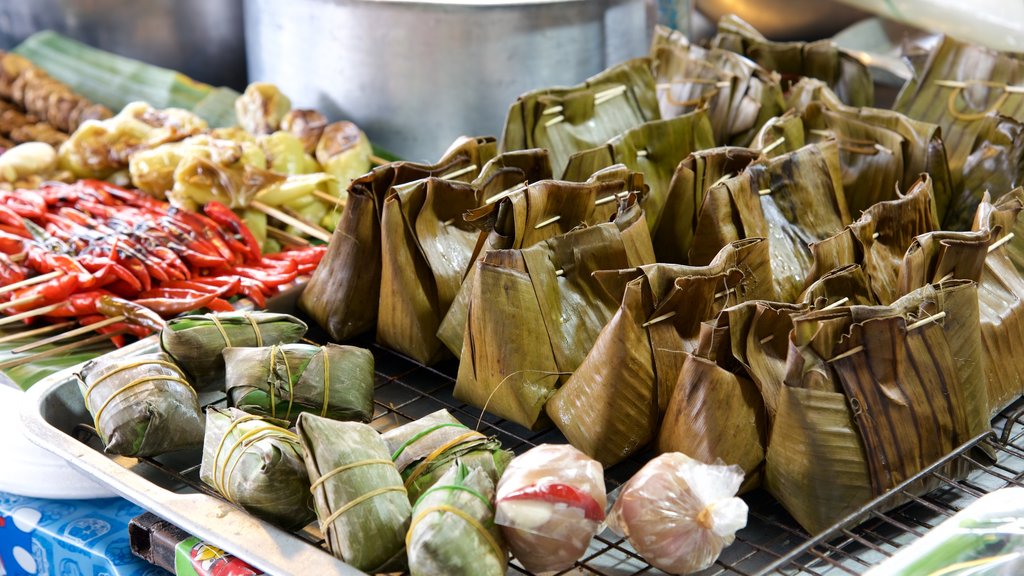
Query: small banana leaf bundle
x: 567, y: 120
x: 848, y: 284
x: 877, y: 243
x: 362, y: 507
x: 698, y: 172
x: 142, y: 406
x: 196, y: 342
x: 528, y: 215
x: 612, y: 404
x: 258, y: 466
x: 515, y: 355
x: 453, y: 530
x: 847, y: 76
x: 739, y: 95
x: 283, y: 381
x: 969, y: 92
x: 872, y: 396
x: 343, y: 294
x: 943, y: 255
x: 426, y: 449
x: 793, y: 201
x: 654, y: 149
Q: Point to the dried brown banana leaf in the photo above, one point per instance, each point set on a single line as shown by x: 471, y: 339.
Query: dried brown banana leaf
x: 939, y: 256
x: 691, y: 181
x: 654, y: 149
x: 611, y: 405
x: 567, y: 120
x: 534, y: 313
x: 793, y: 201
x: 842, y: 71
x: 527, y: 215
x: 847, y: 285
x: 343, y: 294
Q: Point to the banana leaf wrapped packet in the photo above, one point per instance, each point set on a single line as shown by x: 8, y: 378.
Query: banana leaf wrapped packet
x: 258, y: 466
x: 343, y: 293
x: 453, y: 530
x: 426, y: 449
x: 612, y: 404
x: 567, y: 120
x: 141, y: 406
x: 362, y: 507
x: 196, y: 342
x: 515, y: 355
x: 283, y: 381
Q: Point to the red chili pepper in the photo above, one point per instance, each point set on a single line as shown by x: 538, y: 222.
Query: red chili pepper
x: 24, y: 203
x: 44, y: 262
x: 13, y: 222
x: 223, y: 215
x: 10, y: 272
x: 252, y: 289
x: 106, y: 271
x: 268, y: 277
x: 49, y: 292
x: 307, y: 259
x: 11, y: 243
x: 220, y: 305
x: 201, y: 227
x: 80, y: 304
x: 556, y: 493
x: 169, y: 305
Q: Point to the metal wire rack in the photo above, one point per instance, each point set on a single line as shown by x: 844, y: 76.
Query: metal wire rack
x: 772, y: 542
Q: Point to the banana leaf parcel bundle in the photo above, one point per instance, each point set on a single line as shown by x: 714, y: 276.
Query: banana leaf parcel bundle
x: 425, y: 449
x: 567, y: 120
x: 283, y: 381
x: 612, y: 404
x: 141, y: 406
x: 874, y: 394
x: 528, y: 215
x: 793, y: 201
x: 343, y: 294
x: 693, y: 177
x: 361, y: 504
x: 453, y: 530
x: 877, y: 242
x: 739, y: 95
x: 258, y: 466
x: 847, y: 76
x: 551, y: 310
x: 654, y: 149
x: 973, y: 94
x: 196, y: 342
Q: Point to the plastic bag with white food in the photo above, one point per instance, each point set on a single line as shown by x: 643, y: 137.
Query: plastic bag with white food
x: 550, y: 502
x: 679, y: 513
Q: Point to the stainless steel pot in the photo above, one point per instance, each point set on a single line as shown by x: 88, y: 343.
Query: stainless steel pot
x: 417, y: 74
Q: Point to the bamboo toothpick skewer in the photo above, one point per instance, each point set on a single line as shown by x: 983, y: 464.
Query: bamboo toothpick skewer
x: 314, y: 231
x: 459, y: 172
x: 71, y: 346
x: 31, y: 281
x: 36, y: 331
x: 773, y: 145
x: 285, y: 237
x: 837, y: 303
x: 69, y: 334
x: 378, y: 160
x: 20, y: 301
x: 665, y: 316
x: 30, y: 314
x: 551, y: 220
x: 1000, y: 242
x: 328, y: 198
x: 928, y: 320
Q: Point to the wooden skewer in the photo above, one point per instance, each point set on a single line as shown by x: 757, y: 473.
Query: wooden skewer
x: 314, y: 231
x: 560, y: 272
x: 69, y: 334
x: 606, y: 199
x: 36, y: 331
x: 823, y: 133
x: 60, y: 349
x: 551, y: 220
x: 554, y: 121
x: 773, y: 145
x: 505, y: 194
x: 767, y: 339
x: 642, y: 153
x: 20, y: 301
x: 665, y: 316
x: 31, y: 281
x: 460, y: 172
x: 285, y: 237
x: 18, y: 257
x: 837, y: 303
x: 328, y: 198
x: 30, y: 314
x: 764, y: 191
x: 848, y: 353
x: 875, y: 236
x: 378, y: 160
x: 928, y: 320
x: 1000, y: 242
x: 552, y: 110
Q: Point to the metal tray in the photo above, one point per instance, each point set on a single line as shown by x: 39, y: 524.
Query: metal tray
x: 56, y: 419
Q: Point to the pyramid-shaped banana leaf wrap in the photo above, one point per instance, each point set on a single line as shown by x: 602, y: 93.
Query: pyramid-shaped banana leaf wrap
x: 822, y: 59
x: 566, y: 120
x: 529, y: 215
x: 1001, y: 299
x: 970, y: 92
x: 793, y: 201
x: 610, y: 407
x: 739, y: 95
x: 691, y: 181
x: 535, y: 313
x: 343, y: 294
x: 873, y: 395
x: 878, y: 241
x: 654, y: 149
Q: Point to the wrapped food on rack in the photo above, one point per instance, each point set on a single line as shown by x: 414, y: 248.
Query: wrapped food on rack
x: 282, y: 381
x: 141, y: 406
x: 362, y: 506
x: 425, y: 449
x: 257, y: 465
x: 680, y: 513
x: 453, y: 531
x: 197, y: 342
x: 550, y: 503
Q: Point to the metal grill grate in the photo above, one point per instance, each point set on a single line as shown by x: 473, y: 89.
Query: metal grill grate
x: 772, y: 542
